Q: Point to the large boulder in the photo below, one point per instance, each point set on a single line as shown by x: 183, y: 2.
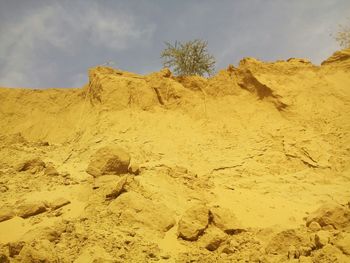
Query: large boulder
x: 109, y: 160
x: 193, y: 223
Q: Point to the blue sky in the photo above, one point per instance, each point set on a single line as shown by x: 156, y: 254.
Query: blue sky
x: 53, y: 43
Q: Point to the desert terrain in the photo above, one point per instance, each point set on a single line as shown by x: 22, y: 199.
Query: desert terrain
x: 250, y: 165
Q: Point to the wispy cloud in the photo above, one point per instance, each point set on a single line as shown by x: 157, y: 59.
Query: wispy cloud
x: 64, y: 32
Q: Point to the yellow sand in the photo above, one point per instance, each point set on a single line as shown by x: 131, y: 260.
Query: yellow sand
x: 267, y: 141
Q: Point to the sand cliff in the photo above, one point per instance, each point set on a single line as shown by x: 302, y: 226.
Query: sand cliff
x: 250, y: 165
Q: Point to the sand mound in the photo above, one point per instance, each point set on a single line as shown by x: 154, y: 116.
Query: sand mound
x: 232, y: 168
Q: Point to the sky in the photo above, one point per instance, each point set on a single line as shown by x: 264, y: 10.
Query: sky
x: 47, y: 43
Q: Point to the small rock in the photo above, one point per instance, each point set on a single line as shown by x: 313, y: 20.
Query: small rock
x: 42, y: 143
x: 4, y: 258
x: 231, y: 247
x: 15, y: 248
x: 94, y: 254
x: 322, y: 238
x: 193, y: 222
x: 52, y: 233
x: 344, y: 244
x: 50, y: 170
x: 119, y: 188
x: 6, y: 213
x: 133, y: 209
x: 328, y: 228
x: 165, y: 256
x: 226, y: 220
x: 3, y: 188
x: 212, y: 238
x: 33, y: 165
x: 65, y: 175
x: 314, y: 226
x: 31, y: 209
x: 293, y: 253
x: 305, y: 250
x: 109, y: 160
x: 329, y: 253
x: 38, y: 251
x: 134, y: 169
x: 58, y: 203
x: 280, y: 243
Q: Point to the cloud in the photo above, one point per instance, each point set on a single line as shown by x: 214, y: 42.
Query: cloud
x: 26, y: 46
x: 45, y: 45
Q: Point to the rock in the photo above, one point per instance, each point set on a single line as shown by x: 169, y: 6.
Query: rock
x: 134, y: 169
x: 38, y: 252
x: 118, y: 189
x: 109, y: 160
x: 329, y: 253
x: 314, y: 226
x: 58, y: 203
x: 6, y: 213
x: 322, y: 238
x: 193, y: 223
x: 42, y: 143
x: 15, y: 248
x: 328, y: 228
x: 31, y: 209
x: 50, y: 170
x: 335, y: 215
x: 344, y: 243
x: 4, y: 258
x: 212, y: 238
x: 33, y: 165
x: 4, y: 188
x: 132, y: 208
x: 231, y: 247
x: 284, y: 240
x: 293, y: 253
x: 44, y: 233
x: 225, y: 220
x: 94, y: 254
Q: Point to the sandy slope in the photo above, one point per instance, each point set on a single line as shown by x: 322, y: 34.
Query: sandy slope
x: 265, y: 143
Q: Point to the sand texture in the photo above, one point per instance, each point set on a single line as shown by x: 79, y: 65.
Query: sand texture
x: 250, y: 165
